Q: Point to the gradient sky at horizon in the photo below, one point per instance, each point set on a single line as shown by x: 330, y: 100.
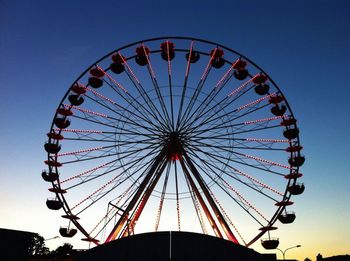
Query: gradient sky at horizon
x: 304, y: 46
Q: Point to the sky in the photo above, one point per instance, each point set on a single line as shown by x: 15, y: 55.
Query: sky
x: 303, y: 45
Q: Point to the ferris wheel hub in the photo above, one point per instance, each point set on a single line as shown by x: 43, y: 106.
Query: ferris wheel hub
x: 174, y: 146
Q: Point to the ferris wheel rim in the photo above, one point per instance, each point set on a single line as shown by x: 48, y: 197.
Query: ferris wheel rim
x: 61, y: 196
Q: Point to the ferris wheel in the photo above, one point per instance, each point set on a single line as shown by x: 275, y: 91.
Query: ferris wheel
x: 174, y: 133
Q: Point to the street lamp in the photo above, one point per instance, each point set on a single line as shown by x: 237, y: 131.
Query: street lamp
x: 51, y: 238
x: 284, y: 252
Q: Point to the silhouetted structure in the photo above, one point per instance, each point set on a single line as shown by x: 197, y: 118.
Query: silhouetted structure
x: 174, y: 246
x: 14, y: 244
x: 333, y: 258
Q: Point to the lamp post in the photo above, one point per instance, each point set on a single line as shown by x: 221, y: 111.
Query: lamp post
x: 51, y: 238
x: 284, y: 252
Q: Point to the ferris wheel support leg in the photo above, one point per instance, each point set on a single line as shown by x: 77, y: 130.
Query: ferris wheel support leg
x: 124, y: 217
x: 144, y: 199
x: 214, y: 207
x: 201, y: 200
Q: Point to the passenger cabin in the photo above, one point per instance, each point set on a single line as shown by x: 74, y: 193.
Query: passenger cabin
x: 53, y: 204
x: 78, y: 88
x: 64, y: 112
x: 67, y: 232
x: 118, y: 63
x: 270, y: 243
x: 49, y: 176
x: 241, y: 74
x: 141, y: 57
x: 294, y: 148
x: 296, y: 189
x: 167, y: 51
x: 278, y: 110
x: 262, y: 89
x: 291, y: 134
x: 287, y: 217
x: 259, y: 78
x: 296, y: 161
x: 75, y: 100
x: 55, y: 136
x: 61, y: 123
x: 95, y: 82
x: 52, y: 147
x: 288, y: 121
x: 194, y: 57
x: 117, y: 68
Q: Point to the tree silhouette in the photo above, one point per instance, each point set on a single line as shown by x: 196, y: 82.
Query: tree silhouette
x: 65, y: 250
x: 37, y: 246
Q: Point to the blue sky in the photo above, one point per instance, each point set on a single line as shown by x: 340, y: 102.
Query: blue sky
x: 304, y: 46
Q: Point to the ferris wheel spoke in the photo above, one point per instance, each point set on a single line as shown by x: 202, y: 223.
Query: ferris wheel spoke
x: 132, y: 138
x: 112, y: 120
x: 200, y: 199
x: 124, y: 131
x: 238, y: 160
x: 147, y: 111
x: 254, y: 184
x: 114, y: 187
x: 104, y: 101
x: 137, y: 150
x: 86, y: 151
x: 211, y: 96
x: 156, y: 85
x: 222, y: 104
x: 170, y: 88
x: 144, y: 95
x: 251, y: 110
x: 242, y: 202
x: 95, y: 196
x: 261, y: 144
x: 237, y: 127
x: 196, y: 207
x: 112, y: 212
x: 87, y: 135
x: 113, y: 141
x: 183, y: 94
x: 233, y: 119
x: 144, y: 198
x: 151, y: 170
x: 240, y: 91
x: 161, y: 201
x: 177, y: 199
x: 262, y: 161
x: 197, y: 90
x: 219, y: 146
x: 135, y: 113
x: 102, y: 148
x: 225, y: 136
x: 124, y: 118
x: 212, y: 121
x: 157, y: 89
x: 84, y: 176
x: 85, y: 131
x: 209, y: 198
x: 105, y: 136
